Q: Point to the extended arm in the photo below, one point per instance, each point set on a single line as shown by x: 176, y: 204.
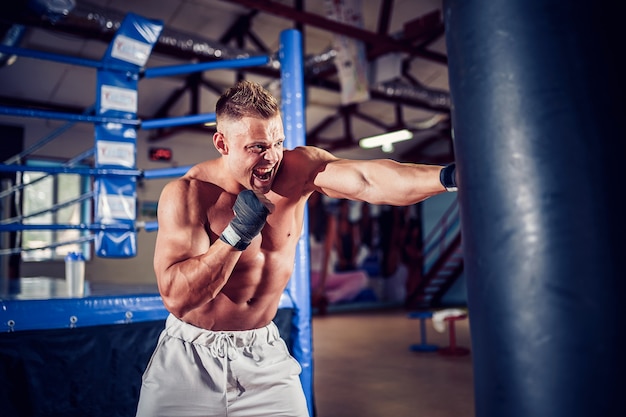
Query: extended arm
x: 379, y: 181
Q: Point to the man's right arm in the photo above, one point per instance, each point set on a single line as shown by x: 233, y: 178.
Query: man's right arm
x: 190, y: 270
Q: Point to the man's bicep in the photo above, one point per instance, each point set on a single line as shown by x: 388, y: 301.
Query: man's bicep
x: 341, y: 179
x: 178, y: 237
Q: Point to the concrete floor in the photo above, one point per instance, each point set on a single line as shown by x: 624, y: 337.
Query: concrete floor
x: 363, y: 367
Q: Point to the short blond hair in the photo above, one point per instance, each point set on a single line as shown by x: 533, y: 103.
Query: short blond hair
x: 246, y: 99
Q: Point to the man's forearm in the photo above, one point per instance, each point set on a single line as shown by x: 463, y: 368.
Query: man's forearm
x: 193, y: 282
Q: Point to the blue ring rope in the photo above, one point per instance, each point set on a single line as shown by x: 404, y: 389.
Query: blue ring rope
x: 69, y: 163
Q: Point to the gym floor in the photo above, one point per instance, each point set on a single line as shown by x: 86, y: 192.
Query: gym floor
x: 363, y: 366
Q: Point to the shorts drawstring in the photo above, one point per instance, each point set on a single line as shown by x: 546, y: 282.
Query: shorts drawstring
x: 223, y: 346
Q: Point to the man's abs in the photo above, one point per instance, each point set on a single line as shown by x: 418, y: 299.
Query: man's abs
x: 250, y: 298
x: 232, y: 312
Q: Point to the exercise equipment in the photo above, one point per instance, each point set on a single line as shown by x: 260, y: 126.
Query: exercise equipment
x: 538, y: 92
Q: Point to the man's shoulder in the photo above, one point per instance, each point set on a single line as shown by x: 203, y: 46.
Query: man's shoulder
x: 203, y: 175
x: 299, y: 167
x: 310, y: 154
x: 197, y: 180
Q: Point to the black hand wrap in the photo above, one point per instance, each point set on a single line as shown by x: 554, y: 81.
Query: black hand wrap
x: 447, y: 176
x: 250, y: 215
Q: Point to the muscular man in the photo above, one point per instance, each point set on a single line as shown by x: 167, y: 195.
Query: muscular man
x: 225, y: 250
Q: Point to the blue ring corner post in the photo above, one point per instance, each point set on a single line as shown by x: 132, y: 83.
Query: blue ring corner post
x: 116, y: 143
x: 292, y: 102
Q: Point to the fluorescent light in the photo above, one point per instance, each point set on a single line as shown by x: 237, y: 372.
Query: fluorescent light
x: 386, y: 140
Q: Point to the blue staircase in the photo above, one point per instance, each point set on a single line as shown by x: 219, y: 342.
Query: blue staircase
x: 443, y: 261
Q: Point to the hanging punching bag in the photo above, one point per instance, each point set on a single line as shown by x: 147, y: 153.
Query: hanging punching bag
x: 538, y: 101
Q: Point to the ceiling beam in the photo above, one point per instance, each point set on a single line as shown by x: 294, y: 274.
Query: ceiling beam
x: 384, y: 17
x: 375, y: 40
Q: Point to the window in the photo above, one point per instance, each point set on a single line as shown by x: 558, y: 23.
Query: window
x: 55, y: 200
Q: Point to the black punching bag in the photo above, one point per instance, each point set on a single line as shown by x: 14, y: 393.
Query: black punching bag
x: 538, y: 114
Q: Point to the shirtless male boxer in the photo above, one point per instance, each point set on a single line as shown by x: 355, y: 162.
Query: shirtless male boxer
x: 225, y: 250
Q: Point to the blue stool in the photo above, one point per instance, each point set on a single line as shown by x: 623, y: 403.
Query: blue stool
x: 423, y: 346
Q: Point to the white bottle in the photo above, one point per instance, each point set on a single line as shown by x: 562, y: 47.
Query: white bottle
x: 75, y: 274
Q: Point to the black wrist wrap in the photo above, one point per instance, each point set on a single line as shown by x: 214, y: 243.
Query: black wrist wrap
x: 447, y: 176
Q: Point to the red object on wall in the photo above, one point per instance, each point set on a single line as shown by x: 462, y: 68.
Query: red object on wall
x: 160, y: 154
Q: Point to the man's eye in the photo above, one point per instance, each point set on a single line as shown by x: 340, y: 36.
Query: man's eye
x: 257, y: 148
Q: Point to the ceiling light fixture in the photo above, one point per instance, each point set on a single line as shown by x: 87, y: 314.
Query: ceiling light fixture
x: 386, y: 140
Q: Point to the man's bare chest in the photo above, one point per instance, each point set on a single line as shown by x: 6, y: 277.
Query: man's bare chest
x: 283, y: 226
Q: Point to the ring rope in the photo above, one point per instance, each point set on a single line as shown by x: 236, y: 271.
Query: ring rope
x: 46, y: 139
x: 66, y: 59
x: 149, y: 226
x: 120, y: 172
x: 69, y: 163
x: 14, y: 251
x: 53, y: 208
x: 55, y: 115
x: 15, y: 227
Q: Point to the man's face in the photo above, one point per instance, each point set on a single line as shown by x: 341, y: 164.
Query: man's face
x: 253, y: 149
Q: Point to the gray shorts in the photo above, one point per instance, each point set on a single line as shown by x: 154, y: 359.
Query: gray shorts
x: 197, y: 372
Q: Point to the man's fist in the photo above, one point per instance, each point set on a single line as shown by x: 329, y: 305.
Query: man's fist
x: 250, y: 215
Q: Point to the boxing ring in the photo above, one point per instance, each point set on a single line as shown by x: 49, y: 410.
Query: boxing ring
x: 85, y: 356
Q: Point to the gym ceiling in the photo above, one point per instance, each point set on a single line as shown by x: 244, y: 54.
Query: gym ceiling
x: 403, y: 40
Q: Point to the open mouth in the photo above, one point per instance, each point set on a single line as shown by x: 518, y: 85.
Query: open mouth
x: 263, y: 174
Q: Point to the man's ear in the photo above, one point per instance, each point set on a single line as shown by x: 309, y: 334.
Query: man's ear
x: 219, y: 141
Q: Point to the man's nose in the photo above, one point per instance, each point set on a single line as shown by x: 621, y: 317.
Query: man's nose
x: 272, y: 155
